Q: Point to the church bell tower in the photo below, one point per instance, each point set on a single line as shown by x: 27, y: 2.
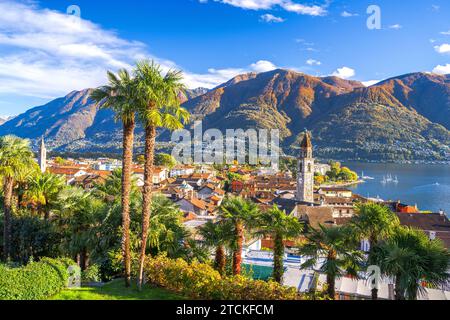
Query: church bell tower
x: 43, y: 156
x: 305, y: 179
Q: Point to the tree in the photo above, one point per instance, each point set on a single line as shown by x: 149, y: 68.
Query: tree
x: 240, y: 213
x: 374, y: 222
x: 218, y: 235
x: 140, y: 159
x: 15, y: 156
x: 412, y: 259
x: 111, y: 189
x: 59, y: 161
x: 119, y: 96
x: 166, y: 232
x: 338, y: 249
x: 79, y: 214
x: 42, y: 192
x: 165, y: 160
x: 280, y: 227
x: 159, y: 107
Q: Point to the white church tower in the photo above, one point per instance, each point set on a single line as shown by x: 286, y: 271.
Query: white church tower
x: 43, y: 156
x: 305, y: 179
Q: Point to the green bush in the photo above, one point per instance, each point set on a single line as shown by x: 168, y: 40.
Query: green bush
x: 91, y: 274
x: 36, y: 281
x: 201, y: 281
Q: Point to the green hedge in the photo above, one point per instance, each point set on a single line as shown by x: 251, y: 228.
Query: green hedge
x: 200, y: 281
x: 36, y: 281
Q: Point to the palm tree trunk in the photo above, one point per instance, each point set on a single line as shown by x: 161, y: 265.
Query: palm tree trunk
x: 127, y: 171
x: 237, y: 254
x: 331, y: 278
x: 278, y: 255
x: 7, y: 207
x: 150, y: 137
x: 331, y: 282
x: 221, y: 260
x: 398, y: 291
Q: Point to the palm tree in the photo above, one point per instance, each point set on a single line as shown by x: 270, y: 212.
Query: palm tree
x: 80, y: 212
x: 166, y: 232
x: 280, y: 227
x: 240, y: 213
x: 337, y: 248
x: 42, y: 192
x: 159, y: 107
x: 118, y: 96
x: 15, y: 156
x: 218, y: 235
x: 376, y: 223
x: 411, y: 258
x: 111, y: 189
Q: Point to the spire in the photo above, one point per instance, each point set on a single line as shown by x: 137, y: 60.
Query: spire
x: 306, y: 142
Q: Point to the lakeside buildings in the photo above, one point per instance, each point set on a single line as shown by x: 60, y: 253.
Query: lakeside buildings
x: 200, y: 190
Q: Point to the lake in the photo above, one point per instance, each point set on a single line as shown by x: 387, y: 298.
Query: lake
x: 428, y: 186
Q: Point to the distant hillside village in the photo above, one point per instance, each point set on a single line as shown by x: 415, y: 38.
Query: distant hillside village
x: 198, y: 191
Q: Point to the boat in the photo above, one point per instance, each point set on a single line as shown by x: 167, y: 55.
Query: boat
x: 389, y: 179
x: 364, y: 177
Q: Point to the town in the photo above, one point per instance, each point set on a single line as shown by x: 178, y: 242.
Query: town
x: 199, y: 191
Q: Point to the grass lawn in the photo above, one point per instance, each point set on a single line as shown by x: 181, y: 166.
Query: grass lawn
x: 116, y: 290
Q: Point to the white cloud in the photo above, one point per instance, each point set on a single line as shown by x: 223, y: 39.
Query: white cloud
x: 263, y: 66
x: 443, y: 48
x: 370, y: 82
x: 344, y: 73
x: 288, y: 5
x: 347, y: 14
x: 47, y: 54
x: 446, y: 33
x: 313, y: 62
x: 271, y: 18
x: 442, y: 69
x: 395, y: 26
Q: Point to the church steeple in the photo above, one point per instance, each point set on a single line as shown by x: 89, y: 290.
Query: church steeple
x: 43, y: 156
x: 305, y: 180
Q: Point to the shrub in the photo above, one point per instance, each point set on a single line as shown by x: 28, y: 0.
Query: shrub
x: 91, y: 274
x: 201, y: 281
x: 36, y: 281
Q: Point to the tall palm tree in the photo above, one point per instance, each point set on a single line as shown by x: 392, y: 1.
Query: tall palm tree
x: 43, y: 190
x: 119, y: 97
x: 240, y: 213
x: 159, y: 107
x: 339, y: 251
x: 376, y: 223
x: 218, y: 235
x: 280, y: 227
x: 15, y: 156
x: 411, y: 258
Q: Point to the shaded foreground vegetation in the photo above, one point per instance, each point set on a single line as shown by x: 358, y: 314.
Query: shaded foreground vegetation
x: 115, y: 290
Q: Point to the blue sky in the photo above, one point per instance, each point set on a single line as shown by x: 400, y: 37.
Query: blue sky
x: 44, y: 53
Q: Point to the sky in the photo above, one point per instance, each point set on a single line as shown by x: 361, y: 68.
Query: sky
x: 50, y: 48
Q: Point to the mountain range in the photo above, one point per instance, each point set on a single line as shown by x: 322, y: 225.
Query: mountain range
x: 402, y: 118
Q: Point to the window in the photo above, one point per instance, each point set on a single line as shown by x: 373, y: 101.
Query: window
x: 309, y: 167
